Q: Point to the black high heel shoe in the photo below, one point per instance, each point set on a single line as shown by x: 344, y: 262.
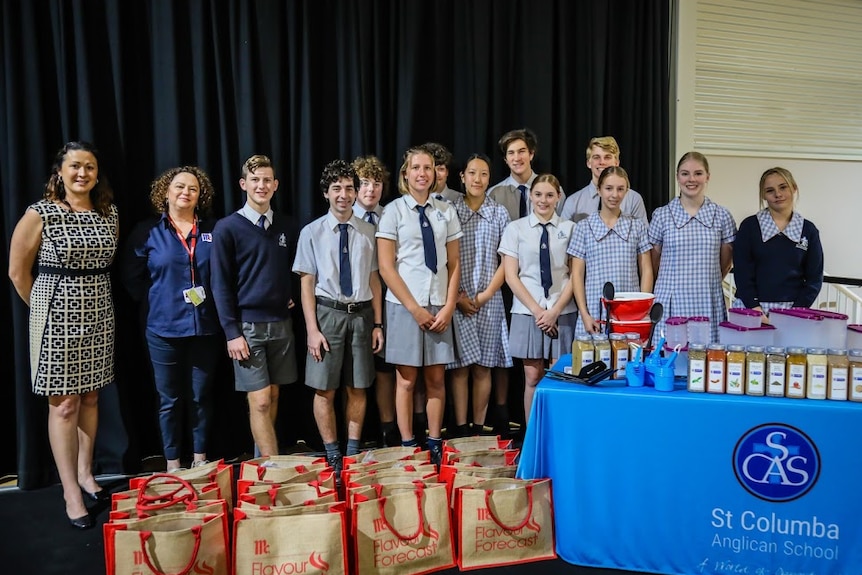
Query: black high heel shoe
x: 85, y: 522
x: 100, y: 496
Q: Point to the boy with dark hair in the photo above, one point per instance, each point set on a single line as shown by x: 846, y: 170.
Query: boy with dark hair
x: 342, y: 303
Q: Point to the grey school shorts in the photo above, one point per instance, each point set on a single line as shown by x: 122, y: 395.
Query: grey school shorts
x: 272, y: 358
x: 349, y: 360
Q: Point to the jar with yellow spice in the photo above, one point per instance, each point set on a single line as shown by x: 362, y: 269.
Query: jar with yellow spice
x: 837, y: 366
x: 855, y: 377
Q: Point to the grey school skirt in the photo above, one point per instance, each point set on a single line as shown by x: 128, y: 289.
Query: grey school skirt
x: 527, y: 341
x: 408, y: 344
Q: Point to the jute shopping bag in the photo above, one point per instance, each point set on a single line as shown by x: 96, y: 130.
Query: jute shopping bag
x: 475, y: 442
x: 379, y: 490
x: 264, y: 511
x: 387, y: 476
x: 306, y: 542
x: 484, y: 457
x: 214, y: 506
x: 403, y: 534
x: 423, y: 467
x: 171, y: 544
x: 474, y: 475
x: 160, y: 491
x: 449, y: 470
x: 279, y: 494
x: 504, y: 522
x: 287, y: 500
x: 279, y: 468
x: 388, y: 454
x: 217, y: 472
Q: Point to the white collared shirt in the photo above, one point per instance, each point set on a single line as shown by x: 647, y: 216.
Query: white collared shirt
x: 253, y: 216
x: 521, y: 241
x: 318, y: 253
x: 360, y: 212
x: 400, y: 223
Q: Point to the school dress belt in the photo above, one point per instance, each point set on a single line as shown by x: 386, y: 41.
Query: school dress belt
x: 341, y: 306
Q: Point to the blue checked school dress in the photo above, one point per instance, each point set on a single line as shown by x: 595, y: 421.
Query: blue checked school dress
x: 689, y: 279
x: 610, y: 255
x: 482, y: 338
x: 71, y: 308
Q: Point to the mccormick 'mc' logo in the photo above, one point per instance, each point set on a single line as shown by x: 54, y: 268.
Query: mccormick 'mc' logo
x: 776, y: 462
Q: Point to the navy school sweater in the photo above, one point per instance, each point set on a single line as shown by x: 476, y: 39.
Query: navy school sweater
x: 778, y: 269
x: 251, y: 277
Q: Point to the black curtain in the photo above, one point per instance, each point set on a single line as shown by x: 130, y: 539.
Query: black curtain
x: 159, y: 83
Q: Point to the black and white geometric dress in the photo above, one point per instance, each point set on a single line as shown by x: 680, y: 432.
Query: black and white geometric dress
x: 71, y: 308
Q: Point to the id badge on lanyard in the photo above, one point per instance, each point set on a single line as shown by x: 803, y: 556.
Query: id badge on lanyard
x: 195, y: 295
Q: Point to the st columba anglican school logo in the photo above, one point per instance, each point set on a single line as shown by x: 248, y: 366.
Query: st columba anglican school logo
x: 776, y: 462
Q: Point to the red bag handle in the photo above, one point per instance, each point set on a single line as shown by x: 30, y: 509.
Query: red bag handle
x: 497, y: 520
x: 381, y: 503
x: 196, y: 531
x: 153, y: 502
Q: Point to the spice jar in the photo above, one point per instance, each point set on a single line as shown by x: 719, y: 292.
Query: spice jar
x: 796, y: 370
x: 697, y: 367
x: 583, y: 353
x: 855, y: 377
x: 716, y: 366
x: 735, y: 369
x: 837, y: 366
x: 817, y: 373
x: 619, y: 354
x: 602, y: 349
x: 776, y: 366
x: 755, y: 369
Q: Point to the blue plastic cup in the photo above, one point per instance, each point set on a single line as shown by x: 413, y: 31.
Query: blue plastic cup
x: 664, y: 378
x: 651, y: 363
x: 635, y: 372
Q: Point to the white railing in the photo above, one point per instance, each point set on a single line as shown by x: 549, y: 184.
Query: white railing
x: 842, y: 299
x: 835, y: 297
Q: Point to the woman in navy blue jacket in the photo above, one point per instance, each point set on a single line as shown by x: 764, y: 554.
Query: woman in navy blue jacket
x: 167, y: 265
x: 777, y: 255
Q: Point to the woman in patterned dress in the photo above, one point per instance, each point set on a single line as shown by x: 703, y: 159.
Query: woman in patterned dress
x: 692, y: 242
x: 72, y: 235
x: 608, y: 247
x: 479, y: 323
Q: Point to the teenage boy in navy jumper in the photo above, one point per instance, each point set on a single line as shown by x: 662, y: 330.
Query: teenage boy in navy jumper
x: 336, y: 259
x: 251, y: 288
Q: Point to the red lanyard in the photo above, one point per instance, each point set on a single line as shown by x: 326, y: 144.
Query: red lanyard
x: 190, y: 249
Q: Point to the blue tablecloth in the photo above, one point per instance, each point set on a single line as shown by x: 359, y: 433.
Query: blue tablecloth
x: 687, y: 483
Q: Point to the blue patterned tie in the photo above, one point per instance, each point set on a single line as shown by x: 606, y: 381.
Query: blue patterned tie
x: 370, y: 218
x: 545, y: 260
x: 522, y: 192
x: 428, y: 240
x: 344, y: 265
x: 261, y: 222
